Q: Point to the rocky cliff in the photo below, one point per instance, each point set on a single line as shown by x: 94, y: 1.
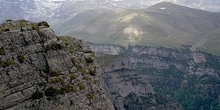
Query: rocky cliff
x: 39, y: 71
x: 185, y: 75
x: 128, y: 89
x: 106, y: 48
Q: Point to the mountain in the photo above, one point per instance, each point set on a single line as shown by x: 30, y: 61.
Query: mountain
x: 164, y: 24
x: 27, y: 9
x: 210, y: 42
x: 209, y: 5
x: 15, y: 8
x: 40, y: 71
x: 56, y: 10
x: 197, y: 22
x: 192, y: 78
x: 78, y: 20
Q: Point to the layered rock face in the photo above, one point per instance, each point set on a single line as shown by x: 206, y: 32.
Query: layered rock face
x: 128, y: 88
x: 107, y: 49
x: 185, y: 75
x: 39, y: 71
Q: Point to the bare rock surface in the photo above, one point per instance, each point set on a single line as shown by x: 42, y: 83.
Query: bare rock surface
x: 40, y: 71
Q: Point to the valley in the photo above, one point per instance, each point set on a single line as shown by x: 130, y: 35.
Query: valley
x: 189, y: 77
x: 138, y: 55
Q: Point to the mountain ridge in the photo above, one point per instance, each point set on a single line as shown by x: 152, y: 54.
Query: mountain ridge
x: 164, y: 24
x: 53, y: 11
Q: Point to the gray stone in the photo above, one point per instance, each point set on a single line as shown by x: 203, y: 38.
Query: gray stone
x: 26, y: 85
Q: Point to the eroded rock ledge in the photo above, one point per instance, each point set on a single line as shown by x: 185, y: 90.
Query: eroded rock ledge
x: 40, y: 71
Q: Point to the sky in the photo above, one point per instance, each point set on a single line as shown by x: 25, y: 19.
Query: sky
x: 51, y: 0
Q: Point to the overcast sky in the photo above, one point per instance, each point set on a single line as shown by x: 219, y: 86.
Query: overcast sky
x: 51, y: 0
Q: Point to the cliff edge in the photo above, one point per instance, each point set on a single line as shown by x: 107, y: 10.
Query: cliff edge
x: 40, y: 71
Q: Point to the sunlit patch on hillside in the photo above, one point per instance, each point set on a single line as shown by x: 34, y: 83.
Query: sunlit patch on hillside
x: 127, y: 18
x: 133, y: 34
x: 163, y: 8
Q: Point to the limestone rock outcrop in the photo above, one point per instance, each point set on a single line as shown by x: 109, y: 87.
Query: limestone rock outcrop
x: 40, y: 71
x: 137, y: 76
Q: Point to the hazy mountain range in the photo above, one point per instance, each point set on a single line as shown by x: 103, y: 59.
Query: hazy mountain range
x: 164, y: 24
x: 37, y: 10
x: 190, y: 26
x: 152, y: 53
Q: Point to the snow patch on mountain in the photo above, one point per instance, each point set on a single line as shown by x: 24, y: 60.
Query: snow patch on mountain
x: 37, y: 10
x: 47, y: 8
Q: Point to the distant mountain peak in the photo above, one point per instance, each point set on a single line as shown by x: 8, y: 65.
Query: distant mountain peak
x: 163, y: 24
x: 37, y: 10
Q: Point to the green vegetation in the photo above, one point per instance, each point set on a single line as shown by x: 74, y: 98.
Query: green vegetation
x: 36, y: 27
x: 81, y: 86
x: 1, y: 62
x: 88, y: 51
x: 212, y: 42
x: 194, y: 92
x: 89, y: 60
x: 78, y: 66
x: 81, y: 70
x: 10, y: 27
x: 63, y: 38
x: 90, y: 96
x: 21, y: 58
x: 57, y: 79
x: 91, y: 72
x: 9, y: 20
x: 2, y: 51
x: 54, y: 46
x: 53, y: 73
x: 13, y: 48
x: 73, y: 76
x: 23, y: 23
x: 131, y: 102
x: 8, y: 62
x: 73, y: 61
x: 43, y: 23
x: 87, y: 78
x: 172, y: 71
x: 7, y: 29
x: 1, y: 30
x: 53, y: 91
x: 71, y: 44
x: 194, y: 95
x: 70, y: 88
x: 37, y: 95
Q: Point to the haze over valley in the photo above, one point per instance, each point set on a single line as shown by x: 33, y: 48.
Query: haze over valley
x: 110, y: 54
